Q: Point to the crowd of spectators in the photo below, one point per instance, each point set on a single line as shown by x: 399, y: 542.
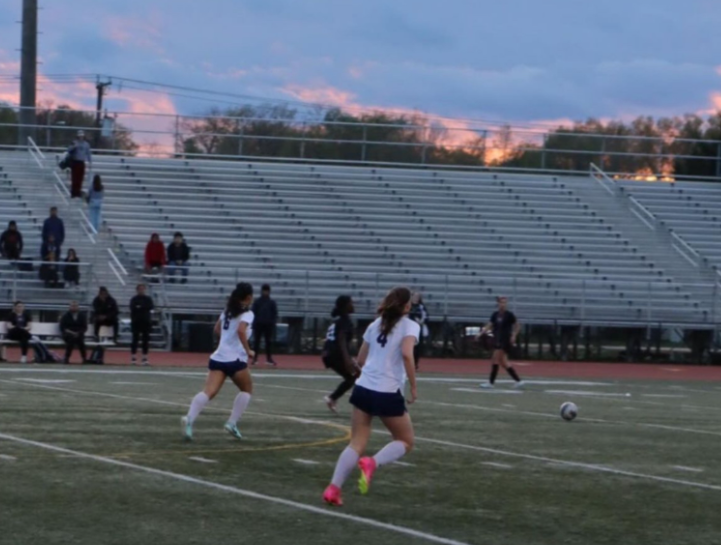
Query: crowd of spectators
x: 171, y: 260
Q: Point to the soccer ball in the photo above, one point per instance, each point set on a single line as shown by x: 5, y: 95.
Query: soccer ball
x: 569, y: 411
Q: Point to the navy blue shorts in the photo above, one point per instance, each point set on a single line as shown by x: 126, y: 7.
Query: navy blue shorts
x: 230, y: 368
x: 381, y: 404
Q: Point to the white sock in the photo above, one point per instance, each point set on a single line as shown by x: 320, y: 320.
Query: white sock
x: 347, y: 461
x: 198, y: 404
x: 239, y: 406
x: 395, y: 450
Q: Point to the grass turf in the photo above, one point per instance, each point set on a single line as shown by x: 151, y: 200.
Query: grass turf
x: 489, y: 467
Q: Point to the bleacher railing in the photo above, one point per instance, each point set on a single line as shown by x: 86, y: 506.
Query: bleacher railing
x: 557, y: 298
x: 167, y: 135
x: 22, y: 280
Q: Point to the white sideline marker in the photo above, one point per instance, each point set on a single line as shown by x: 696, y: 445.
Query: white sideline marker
x: 665, y: 396
x: 130, y: 383
x: 241, y: 492
x: 7, y: 458
x: 306, y: 462
x: 497, y: 464
x: 202, y: 460
x: 487, y: 391
x: 403, y: 464
x: 585, y: 393
x: 688, y: 469
x: 46, y: 380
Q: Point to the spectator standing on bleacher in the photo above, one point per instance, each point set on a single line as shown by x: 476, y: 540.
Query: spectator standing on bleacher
x: 141, y: 322
x: 79, y: 154
x: 266, y: 317
x: 54, y: 226
x: 105, y: 313
x: 73, y: 326
x: 11, y: 242
x: 154, y: 255
x: 19, y: 325
x: 95, y: 202
x: 71, y: 269
x: 178, y: 257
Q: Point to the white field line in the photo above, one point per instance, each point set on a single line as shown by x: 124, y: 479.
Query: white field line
x: 497, y: 464
x: 665, y: 396
x: 130, y: 383
x: 46, y: 380
x: 585, y: 393
x: 491, y: 391
x: 7, y: 457
x: 202, y: 460
x: 555, y: 416
x: 688, y: 469
x: 306, y: 462
x: 295, y: 376
x: 238, y: 491
x: 403, y: 464
x: 565, y: 463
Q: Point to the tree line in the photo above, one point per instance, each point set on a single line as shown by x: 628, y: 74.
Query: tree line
x: 334, y: 134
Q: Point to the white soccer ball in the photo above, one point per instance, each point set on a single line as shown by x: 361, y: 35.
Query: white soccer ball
x: 569, y: 411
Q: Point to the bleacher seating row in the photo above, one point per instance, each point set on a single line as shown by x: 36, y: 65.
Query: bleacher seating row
x: 316, y: 231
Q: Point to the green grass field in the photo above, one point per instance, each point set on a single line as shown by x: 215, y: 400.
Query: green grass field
x: 94, y: 456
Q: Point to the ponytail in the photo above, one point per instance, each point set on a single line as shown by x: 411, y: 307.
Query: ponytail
x: 393, y: 308
x: 235, y: 306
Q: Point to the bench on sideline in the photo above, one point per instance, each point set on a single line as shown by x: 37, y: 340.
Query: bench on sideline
x: 50, y: 335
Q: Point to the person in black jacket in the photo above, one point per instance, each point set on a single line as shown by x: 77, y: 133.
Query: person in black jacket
x: 419, y: 314
x: 71, y: 270
x: 105, y: 312
x: 19, y: 325
x: 178, y: 257
x: 73, y: 326
x: 336, y: 351
x: 266, y: 317
x: 141, y: 322
x: 11, y: 242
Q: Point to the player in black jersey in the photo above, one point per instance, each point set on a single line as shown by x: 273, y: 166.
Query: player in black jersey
x: 336, y: 351
x: 505, y: 328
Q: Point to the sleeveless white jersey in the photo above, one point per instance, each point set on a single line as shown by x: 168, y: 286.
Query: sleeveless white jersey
x: 384, y: 370
x: 230, y: 349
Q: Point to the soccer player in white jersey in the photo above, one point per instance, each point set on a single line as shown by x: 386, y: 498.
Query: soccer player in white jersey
x: 386, y: 358
x: 230, y: 360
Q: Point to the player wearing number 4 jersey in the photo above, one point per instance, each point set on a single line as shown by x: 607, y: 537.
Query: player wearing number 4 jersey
x: 386, y: 360
x: 230, y: 360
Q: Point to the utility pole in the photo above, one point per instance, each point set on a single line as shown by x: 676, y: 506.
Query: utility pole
x: 100, y: 86
x: 28, y: 70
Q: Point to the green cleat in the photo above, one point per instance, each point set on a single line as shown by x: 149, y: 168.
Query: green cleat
x: 232, y: 429
x: 187, y: 428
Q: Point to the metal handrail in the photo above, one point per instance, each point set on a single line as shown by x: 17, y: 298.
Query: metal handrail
x: 645, y: 211
x: 604, y: 181
x: 117, y: 261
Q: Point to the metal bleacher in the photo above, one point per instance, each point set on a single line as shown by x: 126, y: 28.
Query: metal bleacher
x: 692, y: 210
x: 314, y: 232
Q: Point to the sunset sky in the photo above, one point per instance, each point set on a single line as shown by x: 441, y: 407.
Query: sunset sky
x: 514, y: 60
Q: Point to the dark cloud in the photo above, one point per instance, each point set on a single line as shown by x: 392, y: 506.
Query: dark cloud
x: 517, y: 59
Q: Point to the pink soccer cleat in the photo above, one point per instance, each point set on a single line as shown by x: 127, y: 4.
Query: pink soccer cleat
x: 332, y: 496
x: 367, y: 467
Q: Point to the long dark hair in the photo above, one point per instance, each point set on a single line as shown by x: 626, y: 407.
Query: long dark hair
x: 341, y: 305
x: 392, y: 308
x: 235, y: 306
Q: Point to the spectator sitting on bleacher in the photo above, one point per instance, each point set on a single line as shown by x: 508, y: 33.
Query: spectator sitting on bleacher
x: 54, y: 226
x: 73, y: 326
x: 11, y: 242
x: 71, y: 270
x: 178, y: 257
x: 154, y: 255
x: 105, y: 313
x: 49, y: 246
x: 19, y: 325
x: 49, y: 271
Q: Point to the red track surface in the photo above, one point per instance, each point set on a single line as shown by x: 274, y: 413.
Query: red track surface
x: 539, y: 369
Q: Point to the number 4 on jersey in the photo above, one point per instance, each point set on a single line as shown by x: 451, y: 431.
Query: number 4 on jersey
x: 382, y: 339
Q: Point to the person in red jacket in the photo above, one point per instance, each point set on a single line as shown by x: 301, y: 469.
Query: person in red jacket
x: 155, y: 255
